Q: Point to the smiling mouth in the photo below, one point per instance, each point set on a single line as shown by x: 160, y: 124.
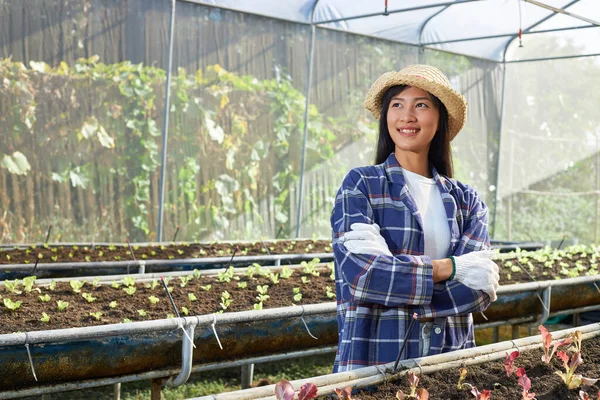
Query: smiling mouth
x: 407, y: 132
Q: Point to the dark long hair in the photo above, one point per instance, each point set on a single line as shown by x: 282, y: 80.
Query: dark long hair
x: 439, y: 151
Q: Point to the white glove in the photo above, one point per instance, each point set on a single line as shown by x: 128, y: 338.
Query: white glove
x: 477, y: 271
x: 365, y: 239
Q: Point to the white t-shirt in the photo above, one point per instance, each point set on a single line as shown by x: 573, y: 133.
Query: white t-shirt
x: 435, y: 222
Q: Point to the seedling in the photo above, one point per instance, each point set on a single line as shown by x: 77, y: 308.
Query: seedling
x: 184, y: 310
x: 286, y: 272
x: 547, y: 341
x: 130, y: 290
x: 525, y: 383
x: 509, y: 361
x: 258, y: 306
x: 113, y: 304
x: 274, y: 278
x: 13, y: 286
x: 62, y: 305
x: 206, y: 288
x: 329, y: 292
x: 242, y: 285
x: 11, y: 305
x: 225, y: 300
x: 28, y: 283
x: 484, y: 395
x: 184, y: 280
x: 128, y: 281
x: 153, y: 299
x: 52, y: 285
x: 45, y: 298
x: 305, y: 280
x: 461, y: 378
x: 227, y: 275
x: 76, y: 285
x: 142, y: 313
x: 115, y: 285
x: 346, y: 393
x: 97, y: 315
x: 45, y: 317
x: 569, y: 378
x: 192, y: 297
x: 88, y: 297
x: 285, y: 391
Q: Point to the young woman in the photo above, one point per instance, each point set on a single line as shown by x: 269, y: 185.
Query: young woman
x: 408, y: 238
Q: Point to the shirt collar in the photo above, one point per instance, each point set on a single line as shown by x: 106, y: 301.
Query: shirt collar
x: 393, y: 171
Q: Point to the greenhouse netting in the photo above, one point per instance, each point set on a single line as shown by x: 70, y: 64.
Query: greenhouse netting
x: 86, y: 147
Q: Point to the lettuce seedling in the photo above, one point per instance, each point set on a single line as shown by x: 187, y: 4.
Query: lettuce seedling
x: 128, y: 281
x: 285, y: 391
x: 184, y: 280
x: 62, y: 305
x: 192, y: 297
x: 28, y: 283
x: 584, y: 396
x: 461, y: 378
x: 153, y: 299
x: 113, y: 304
x: 485, y: 395
x: 329, y: 292
x: 130, y: 290
x: 547, y: 341
x: 569, y: 378
x: 509, y: 361
x: 11, y: 305
x: 345, y: 393
x: 525, y: 383
x: 76, y: 285
x: 13, y: 286
x: 286, y: 272
x: 45, y: 298
x: 576, y: 338
x: 45, y: 317
x: 88, y: 297
x: 97, y: 315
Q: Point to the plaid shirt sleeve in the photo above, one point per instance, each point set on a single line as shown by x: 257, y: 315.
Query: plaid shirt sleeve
x: 389, y: 281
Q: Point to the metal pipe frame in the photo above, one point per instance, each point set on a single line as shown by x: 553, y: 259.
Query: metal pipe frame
x: 562, y: 11
x: 163, y: 167
x: 554, y: 58
x: 508, y: 35
x: 396, y: 11
x: 496, y: 193
x: 187, y: 349
x: 306, y: 114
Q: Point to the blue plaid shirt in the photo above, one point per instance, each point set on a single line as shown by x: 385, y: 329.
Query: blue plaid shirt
x: 377, y: 295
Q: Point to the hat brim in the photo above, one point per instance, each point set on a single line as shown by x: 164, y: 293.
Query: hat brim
x: 455, y: 103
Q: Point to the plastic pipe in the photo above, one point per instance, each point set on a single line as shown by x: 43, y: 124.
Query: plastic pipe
x: 370, y: 376
x: 187, y: 349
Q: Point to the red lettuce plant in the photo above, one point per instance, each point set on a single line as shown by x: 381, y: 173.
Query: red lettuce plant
x: 584, y: 396
x: 285, y: 391
x: 485, y: 395
x: 547, y: 342
x: 509, y: 361
x: 345, y: 393
x: 525, y: 383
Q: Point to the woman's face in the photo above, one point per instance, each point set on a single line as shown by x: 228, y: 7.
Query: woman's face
x: 412, y: 120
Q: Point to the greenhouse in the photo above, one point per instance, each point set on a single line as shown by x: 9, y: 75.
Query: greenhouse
x: 165, y: 162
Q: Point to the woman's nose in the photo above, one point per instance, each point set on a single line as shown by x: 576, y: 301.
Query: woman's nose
x: 407, y: 115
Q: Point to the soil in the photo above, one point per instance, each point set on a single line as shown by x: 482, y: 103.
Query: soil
x: 62, y: 254
x: 492, y: 376
x: 77, y: 314
x: 27, y: 316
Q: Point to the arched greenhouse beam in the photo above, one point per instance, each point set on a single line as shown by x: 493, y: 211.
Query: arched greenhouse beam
x: 306, y: 112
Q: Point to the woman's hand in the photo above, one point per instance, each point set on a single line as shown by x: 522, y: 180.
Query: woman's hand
x: 365, y: 239
x: 477, y: 271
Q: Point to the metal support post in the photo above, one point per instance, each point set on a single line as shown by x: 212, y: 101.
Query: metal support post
x: 515, y: 331
x: 247, y: 375
x: 117, y: 391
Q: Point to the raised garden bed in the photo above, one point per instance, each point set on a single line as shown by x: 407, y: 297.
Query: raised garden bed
x: 485, y: 370
x: 156, y: 344
x: 62, y: 253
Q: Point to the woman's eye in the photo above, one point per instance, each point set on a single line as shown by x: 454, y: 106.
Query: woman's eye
x: 395, y: 104
x: 422, y: 105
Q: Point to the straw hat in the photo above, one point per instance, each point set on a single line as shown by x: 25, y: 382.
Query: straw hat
x: 427, y: 78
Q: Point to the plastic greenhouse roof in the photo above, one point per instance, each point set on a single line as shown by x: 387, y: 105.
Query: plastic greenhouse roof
x: 477, y: 28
